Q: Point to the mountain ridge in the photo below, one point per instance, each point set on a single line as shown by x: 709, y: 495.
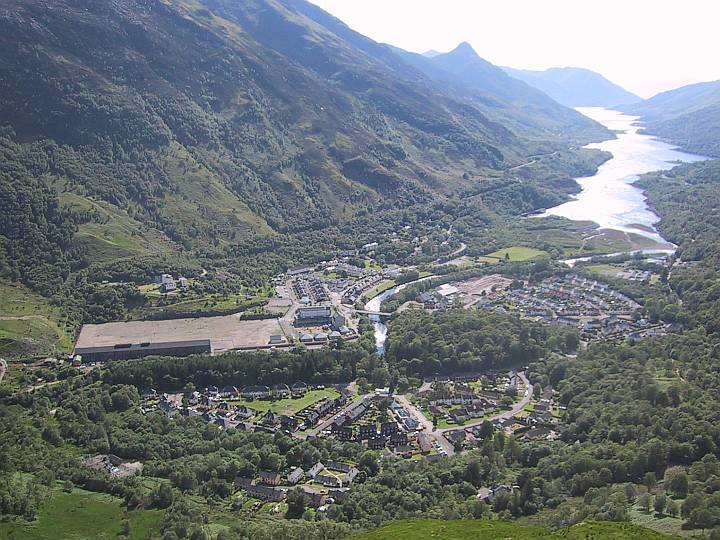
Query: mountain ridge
x: 575, y: 87
x: 688, y: 116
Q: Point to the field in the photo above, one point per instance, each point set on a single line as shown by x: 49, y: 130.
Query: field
x: 378, y: 289
x: 29, y: 325
x: 82, y: 515
x: 290, y: 405
x: 482, y: 529
x: 603, y: 269
x: 515, y: 254
x: 225, y: 332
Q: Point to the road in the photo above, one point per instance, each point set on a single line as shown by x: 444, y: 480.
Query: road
x: 519, y: 406
x: 426, y: 424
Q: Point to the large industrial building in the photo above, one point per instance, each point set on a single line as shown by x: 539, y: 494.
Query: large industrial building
x: 125, y: 351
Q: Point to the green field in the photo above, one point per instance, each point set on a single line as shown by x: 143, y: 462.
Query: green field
x: 491, y: 530
x: 603, y: 269
x: 379, y: 288
x: 515, y: 254
x: 289, y: 405
x: 29, y: 325
x: 83, y: 515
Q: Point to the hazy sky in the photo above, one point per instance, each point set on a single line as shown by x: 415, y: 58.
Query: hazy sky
x: 647, y: 46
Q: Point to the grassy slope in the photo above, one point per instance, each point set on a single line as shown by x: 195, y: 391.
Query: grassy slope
x: 482, y: 530
x: 29, y: 324
x: 82, y: 515
x: 115, y: 235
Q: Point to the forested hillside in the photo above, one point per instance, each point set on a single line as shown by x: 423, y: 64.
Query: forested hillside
x: 688, y: 116
x: 137, y: 136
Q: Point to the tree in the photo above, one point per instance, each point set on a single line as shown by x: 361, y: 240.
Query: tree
x: 644, y: 502
x: 676, y: 482
x: 672, y: 508
x: 68, y: 486
x: 297, y: 503
x: 660, y: 503
x: 164, y: 495
x: 650, y: 480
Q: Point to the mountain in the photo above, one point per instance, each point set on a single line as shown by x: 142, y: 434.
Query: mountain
x: 136, y: 128
x: 501, y: 97
x: 575, y: 87
x: 688, y: 116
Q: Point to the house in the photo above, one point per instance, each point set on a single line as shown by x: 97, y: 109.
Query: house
x: 288, y: 423
x: 424, y: 443
x: 337, y: 494
x: 404, y: 451
x: 337, y: 466
x: 277, y: 339
x: 488, y: 494
x: 344, y: 433
x: 307, y: 338
x: 228, y: 391
x: 350, y: 475
x: 455, y: 437
x: 266, y: 493
x: 377, y: 443
x: 255, y: 392
x: 270, y: 478
x: 270, y: 419
x: 183, y: 282
x: 243, y: 412
x: 338, y: 321
x: 242, y: 482
x: 328, y: 480
x: 311, y: 418
x: 320, y: 337
x: 168, y: 287
x: 324, y: 407
x: 281, y: 390
x: 299, y: 388
x: 296, y: 475
x: 315, y: 470
x: 356, y: 412
x: 398, y: 439
x: 410, y: 423
x: 315, y: 498
x: 367, y: 431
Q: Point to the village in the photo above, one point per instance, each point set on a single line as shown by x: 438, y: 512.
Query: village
x: 442, y: 417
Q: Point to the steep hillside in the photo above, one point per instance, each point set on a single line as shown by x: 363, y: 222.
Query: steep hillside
x: 512, y: 102
x: 151, y: 129
x: 575, y: 87
x: 688, y: 116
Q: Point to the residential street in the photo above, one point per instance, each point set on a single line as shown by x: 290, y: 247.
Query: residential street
x: 519, y: 406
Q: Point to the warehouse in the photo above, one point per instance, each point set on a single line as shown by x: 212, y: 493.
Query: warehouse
x: 125, y: 351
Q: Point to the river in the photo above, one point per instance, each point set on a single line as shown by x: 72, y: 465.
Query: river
x: 374, y: 305
x: 608, y: 197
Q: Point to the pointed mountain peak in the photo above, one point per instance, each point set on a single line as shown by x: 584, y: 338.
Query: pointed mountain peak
x: 464, y: 49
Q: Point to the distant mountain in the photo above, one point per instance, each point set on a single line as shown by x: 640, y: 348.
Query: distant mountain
x: 688, y: 116
x: 431, y: 53
x: 513, y: 103
x: 575, y: 87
